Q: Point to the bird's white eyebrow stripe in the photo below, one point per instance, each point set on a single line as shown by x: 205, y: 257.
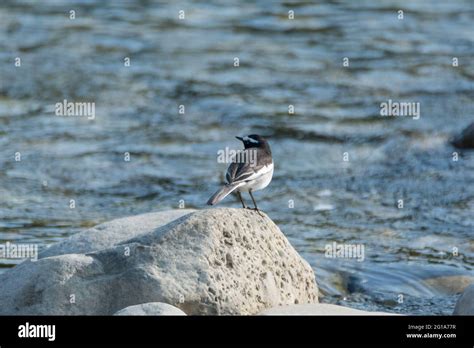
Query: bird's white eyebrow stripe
x: 251, y: 140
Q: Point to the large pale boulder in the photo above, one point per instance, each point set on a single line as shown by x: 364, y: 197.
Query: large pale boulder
x: 318, y: 309
x: 152, y: 308
x: 217, y: 261
x: 113, y: 232
x: 465, y: 304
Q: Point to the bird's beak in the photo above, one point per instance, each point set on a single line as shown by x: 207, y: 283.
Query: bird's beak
x: 241, y: 139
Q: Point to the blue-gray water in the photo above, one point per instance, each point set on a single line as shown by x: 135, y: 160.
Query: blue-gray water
x: 283, y: 62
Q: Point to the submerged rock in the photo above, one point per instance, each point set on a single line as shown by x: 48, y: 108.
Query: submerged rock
x: 152, y: 308
x: 217, y: 261
x: 465, y: 304
x: 465, y: 139
x: 453, y: 284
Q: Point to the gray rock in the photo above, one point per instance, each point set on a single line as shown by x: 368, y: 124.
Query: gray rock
x: 465, y: 140
x: 217, y: 261
x: 453, y: 284
x: 465, y: 304
x: 318, y: 309
x: 113, y: 232
x: 152, y: 308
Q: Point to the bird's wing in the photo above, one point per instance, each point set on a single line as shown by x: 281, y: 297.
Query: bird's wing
x: 233, y: 169
x: 238, y: 172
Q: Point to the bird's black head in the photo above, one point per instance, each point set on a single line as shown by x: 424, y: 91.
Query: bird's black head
x: 254, y: 140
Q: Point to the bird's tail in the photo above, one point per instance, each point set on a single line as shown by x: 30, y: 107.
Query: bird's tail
x: 222, y: 193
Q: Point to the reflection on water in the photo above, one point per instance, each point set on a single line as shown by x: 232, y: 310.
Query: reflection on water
x: 282, y: 62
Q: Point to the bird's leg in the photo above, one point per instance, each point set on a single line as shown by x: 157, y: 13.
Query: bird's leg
x: 241, y: 200
x: 254, y: 203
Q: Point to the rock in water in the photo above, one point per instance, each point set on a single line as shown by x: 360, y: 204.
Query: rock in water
x: 465, y: 140
x: 216, y: 261
x: 153, y: 308
x: 465, y: 304
x: 450, y: 284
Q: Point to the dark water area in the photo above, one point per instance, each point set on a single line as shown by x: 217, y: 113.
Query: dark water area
x: 422, y: 251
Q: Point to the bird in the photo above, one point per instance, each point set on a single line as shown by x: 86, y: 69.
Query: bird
x: 246, y: 175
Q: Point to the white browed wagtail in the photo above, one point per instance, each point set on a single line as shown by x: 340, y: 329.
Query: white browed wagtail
x: 245, y: 175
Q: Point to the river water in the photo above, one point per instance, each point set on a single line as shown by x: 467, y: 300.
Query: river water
x: 341, y: 168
